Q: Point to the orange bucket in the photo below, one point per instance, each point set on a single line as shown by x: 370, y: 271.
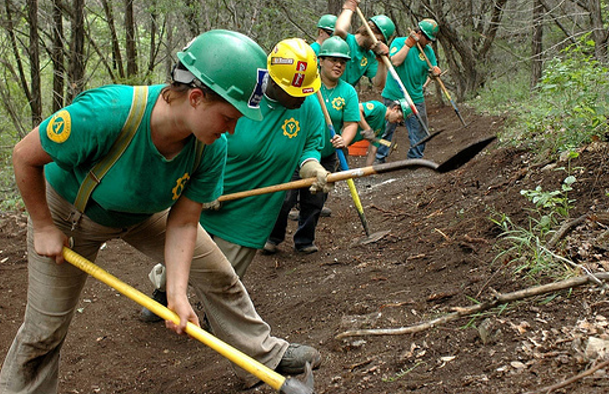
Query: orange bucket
x: 360, y: 148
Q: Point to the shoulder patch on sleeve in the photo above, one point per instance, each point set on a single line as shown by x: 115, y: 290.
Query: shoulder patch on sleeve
x: 59, y: 127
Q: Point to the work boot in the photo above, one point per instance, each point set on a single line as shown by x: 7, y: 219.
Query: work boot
x: 325, y: 212
x: 269, y: 248
x: 147, y: 315
x: 295, y: 357
x: 307, y: 249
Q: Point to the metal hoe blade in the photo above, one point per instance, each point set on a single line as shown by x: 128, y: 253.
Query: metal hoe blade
x: 294, y: 386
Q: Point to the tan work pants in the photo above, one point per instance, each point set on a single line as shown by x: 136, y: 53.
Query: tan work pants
x: 32, y: 362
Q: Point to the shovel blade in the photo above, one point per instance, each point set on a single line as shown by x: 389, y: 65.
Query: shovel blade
x: 372, y: 238
x: 464, y: 155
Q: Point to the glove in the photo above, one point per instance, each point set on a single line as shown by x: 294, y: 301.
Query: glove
x: 311, y: 169
x: 435, y: 71
x: 380, y: 49
x: 212, y: 206
x: 351, y: 5
x: 412, y: 39
x: 368, y: 134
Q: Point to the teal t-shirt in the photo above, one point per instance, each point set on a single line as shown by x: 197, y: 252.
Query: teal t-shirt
x: 342, y: 104
x: 374, y: 113
x: 363, y: 62
x: 413, y: 72
x: 316, y: 47
x: 142, y: 182
x: 263, y: 154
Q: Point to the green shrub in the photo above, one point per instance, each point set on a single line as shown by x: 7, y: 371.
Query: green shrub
x: 570, y: 104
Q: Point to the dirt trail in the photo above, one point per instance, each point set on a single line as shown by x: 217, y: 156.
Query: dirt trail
x: 438, y: 255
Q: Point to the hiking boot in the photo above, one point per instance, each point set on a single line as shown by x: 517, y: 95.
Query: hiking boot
x: 293, y: 215
x: 295, y: 357
x: 147, y: 315
x: 307, y: 249
x: 325, y: 212
x: 269, y: 248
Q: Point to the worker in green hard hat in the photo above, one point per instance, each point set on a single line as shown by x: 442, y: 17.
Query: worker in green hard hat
x: 413, y: 70
x: 364, y: 52
x: 137, y: 164
x: 325, y: 30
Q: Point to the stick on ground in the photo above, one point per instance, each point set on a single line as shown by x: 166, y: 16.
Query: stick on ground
x: 461, y: 312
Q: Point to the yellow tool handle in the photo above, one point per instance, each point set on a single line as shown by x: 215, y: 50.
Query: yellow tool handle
x: 261, y: 371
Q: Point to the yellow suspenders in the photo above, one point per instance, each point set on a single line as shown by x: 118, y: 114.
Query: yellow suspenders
x: 95, y: 175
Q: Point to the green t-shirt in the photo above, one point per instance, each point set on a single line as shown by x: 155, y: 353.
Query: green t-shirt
x: 374, y: 113
x: 342, y: 104
x: 263, y: 154
x: 316, y: 47
x: 413, y: 72
x: 363, y: 62
x: 142, y: 181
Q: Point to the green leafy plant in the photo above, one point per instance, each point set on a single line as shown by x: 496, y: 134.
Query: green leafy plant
x: 524, y: 246
x: 570, y: 105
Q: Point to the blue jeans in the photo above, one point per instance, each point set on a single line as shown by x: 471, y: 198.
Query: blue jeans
x: 310, y: 209
x: 416, y: 133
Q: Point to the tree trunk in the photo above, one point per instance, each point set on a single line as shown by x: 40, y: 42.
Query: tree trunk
x: 57, y: 57
x: 153, y: 46
x: 15, y: 49
x: 537, y: 43
x: 130, y: 46
x: 335, y: 7
x: 77, y: 65
x: 599, y: 32
x: 117, y: 59
x: 36, y: 101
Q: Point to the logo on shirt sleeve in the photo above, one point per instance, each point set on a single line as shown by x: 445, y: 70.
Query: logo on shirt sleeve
x: 60, y: 127
x: 370, y: 106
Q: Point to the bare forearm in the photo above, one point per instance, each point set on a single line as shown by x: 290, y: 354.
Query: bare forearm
x: 179, y: 249
x: 28, y: 165
x: 381, y: 77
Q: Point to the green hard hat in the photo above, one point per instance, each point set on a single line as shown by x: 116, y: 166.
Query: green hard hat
x: 231, y: 64
x: 430, y: 28
x: 406, y: 110
x: 385, y: 25
x: 335, y: 47
x: 327, y: 22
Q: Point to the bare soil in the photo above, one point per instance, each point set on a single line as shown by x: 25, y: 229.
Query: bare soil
x: 439, y: 254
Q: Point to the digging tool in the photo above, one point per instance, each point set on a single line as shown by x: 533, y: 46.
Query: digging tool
x: 435, y: 133
x: 426, y: 139
x: 261, y: 371
x: 345, y: 166
x: 452, y: 102
x: 454, y: 162
x: 393, y: 73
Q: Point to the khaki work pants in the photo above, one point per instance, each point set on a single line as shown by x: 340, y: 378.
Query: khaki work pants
x: 32, y: 362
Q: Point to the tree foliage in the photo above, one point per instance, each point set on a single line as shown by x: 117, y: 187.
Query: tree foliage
x: 52, y: 50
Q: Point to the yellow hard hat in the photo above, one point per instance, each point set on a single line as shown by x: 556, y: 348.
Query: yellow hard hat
x: 293, y: 66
